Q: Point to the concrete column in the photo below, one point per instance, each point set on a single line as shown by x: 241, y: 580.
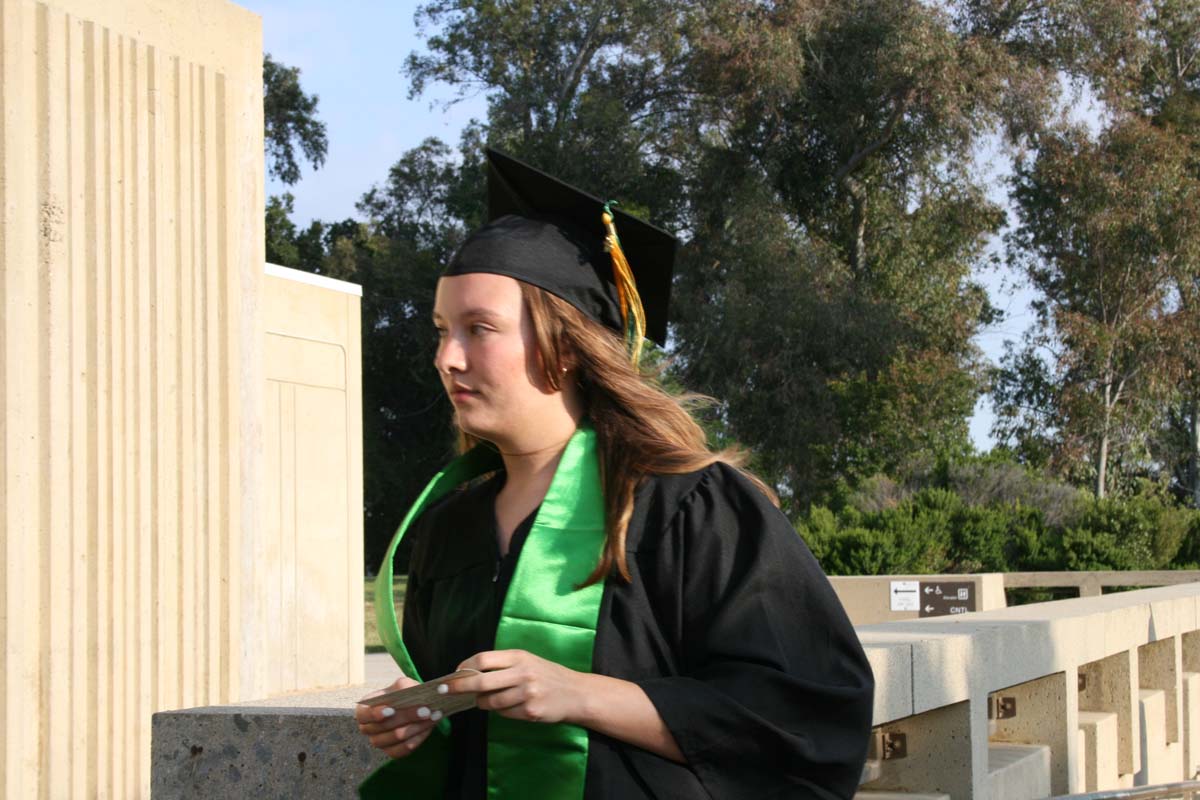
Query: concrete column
x: 131, y: 380
x: 1099, y: 732
x: 1111, y: 684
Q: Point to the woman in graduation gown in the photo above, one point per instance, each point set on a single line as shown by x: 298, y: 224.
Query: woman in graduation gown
x: 644, y: 620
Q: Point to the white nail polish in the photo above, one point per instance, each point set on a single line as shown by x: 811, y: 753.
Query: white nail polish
x: 435, y: 716
x: 387, y: 711
x: 423, y: 712
x: 443, y: 688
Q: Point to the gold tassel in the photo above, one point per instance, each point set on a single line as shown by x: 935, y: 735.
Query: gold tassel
x: 633, y: 316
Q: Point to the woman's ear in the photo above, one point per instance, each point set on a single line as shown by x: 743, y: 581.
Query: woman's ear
x: 567, y: 360
x: 542, y: 372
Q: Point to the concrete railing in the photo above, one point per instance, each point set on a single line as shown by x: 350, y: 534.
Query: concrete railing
x: 1031, y: 701
x: 869, y: 599
x: 1091, y: 584
x: 1045, y: 699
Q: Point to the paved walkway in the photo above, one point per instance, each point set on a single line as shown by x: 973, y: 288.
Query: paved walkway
x: 381, y: 669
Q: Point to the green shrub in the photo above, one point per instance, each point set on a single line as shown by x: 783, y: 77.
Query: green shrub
x: 1143, y: 531
x: 860, y: 551
x: 1188, y: 555
x: 880, y: 528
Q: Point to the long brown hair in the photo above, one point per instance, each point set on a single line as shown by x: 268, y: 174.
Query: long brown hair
x: 641, y: 428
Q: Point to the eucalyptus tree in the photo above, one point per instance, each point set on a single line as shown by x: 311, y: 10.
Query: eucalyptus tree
x: 1163, y: 84
x: 1100, y: 225
x: 817, y: 158
x: 1109, y: 236
x: 835, y: 185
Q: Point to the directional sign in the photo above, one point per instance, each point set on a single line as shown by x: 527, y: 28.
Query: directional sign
x: 904, y: 595
x: 937, y: 599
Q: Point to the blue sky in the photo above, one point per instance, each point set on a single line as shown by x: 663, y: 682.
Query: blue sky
x: 350, y: 54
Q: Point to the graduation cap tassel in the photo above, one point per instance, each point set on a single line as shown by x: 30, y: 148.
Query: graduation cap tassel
x: 632, y: 314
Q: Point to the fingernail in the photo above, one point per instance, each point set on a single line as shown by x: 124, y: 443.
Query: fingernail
x: 387, y: 711
x: 443, y: 688
x: 423, y: 712
x: 435, y: 716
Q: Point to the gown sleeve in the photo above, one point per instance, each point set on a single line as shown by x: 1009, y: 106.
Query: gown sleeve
x: 774, y: 695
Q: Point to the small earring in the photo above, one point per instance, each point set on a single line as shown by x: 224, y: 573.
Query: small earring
x: 564, y: 370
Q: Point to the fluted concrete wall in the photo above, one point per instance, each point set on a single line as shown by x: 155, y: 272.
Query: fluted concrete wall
x: 310, y: 591
x: 131, y: 380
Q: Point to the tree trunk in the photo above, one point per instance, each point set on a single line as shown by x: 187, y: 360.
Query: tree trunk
x: 859, y: 257
x: 1102, y: 467
x: 1102, y: 456
x: 527, y: 124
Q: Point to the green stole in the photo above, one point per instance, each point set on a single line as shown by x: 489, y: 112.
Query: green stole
x: 543, y: 613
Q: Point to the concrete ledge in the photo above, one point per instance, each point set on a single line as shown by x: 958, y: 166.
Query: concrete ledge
x: 1071, y: 669
x: 297, y: 746
x: 892, y: 665
x: 300, y: 276
x: 959, y: 657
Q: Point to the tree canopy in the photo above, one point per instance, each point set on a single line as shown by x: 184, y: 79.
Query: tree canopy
x: 289, y: 120
x: 824, y: 164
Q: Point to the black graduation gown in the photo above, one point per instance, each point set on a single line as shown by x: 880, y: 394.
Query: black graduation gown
x: 729, y: 626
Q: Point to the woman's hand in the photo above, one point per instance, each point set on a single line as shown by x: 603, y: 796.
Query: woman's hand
x: 395, y: 731
x: 520, y: 685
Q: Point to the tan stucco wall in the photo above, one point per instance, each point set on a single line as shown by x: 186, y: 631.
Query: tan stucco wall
x: 131, y: 380
x: 311, y: 584
x: 867, y: 598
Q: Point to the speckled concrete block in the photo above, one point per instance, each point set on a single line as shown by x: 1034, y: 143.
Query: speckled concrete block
x: 1161, y: 763
x: 1190, y: 642
x: 1099, y: 732
x: 940, y: 758
x: 892, y: 667
x: 944, y: 666
x: 1081, y: 759
x: 1190, y: 683
x: 1044, y: 717
x: 1018, y: 772
x: 298, y: 746
x: 1110, y: 686
x: 1158, y: 668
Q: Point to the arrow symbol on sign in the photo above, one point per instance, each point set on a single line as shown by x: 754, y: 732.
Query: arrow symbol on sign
x: 927, y: 608
x: 928, y: 590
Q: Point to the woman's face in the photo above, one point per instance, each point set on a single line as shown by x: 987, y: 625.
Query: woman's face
x: 487, y: 359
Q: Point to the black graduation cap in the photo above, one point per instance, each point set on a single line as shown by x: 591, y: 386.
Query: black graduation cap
x: 549, y: 234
